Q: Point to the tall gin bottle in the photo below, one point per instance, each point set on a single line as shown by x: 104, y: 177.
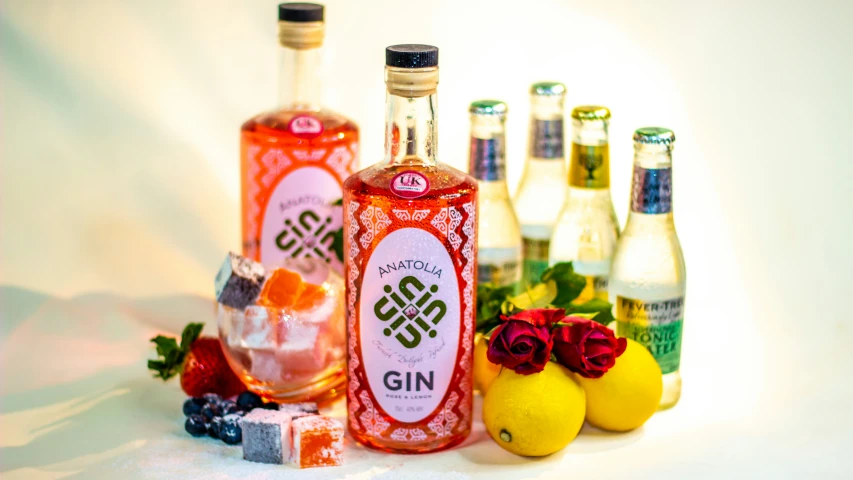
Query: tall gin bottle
x: 295, y: 158
x: 499, y: 236
x: 411, y: 242
x: 647, y: 279
x: 542, y: 191
x: 587, y: 230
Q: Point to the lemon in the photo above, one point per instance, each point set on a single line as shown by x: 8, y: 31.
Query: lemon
x: 538, y: 296
x: 628, y: 394
x: 534, y: 415
x: 484, y: 370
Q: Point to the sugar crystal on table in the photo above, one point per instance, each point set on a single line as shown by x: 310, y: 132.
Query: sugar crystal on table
x: 317, y: 442
x: 239, y: 281
x: 296, y: 410
x: 266, y: 436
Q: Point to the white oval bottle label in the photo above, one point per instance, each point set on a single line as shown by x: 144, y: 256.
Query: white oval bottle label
x: 299, y: 220
x: 410, y: 323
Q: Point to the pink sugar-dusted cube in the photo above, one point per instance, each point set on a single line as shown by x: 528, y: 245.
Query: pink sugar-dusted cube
x: 303, y: 348
x: 265, y: 366
x: 318, y: 441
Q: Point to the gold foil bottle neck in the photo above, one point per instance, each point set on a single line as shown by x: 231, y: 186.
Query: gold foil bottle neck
x: 301, y: 35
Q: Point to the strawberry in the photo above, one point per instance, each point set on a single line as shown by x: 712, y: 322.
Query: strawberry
x: 200, y: 362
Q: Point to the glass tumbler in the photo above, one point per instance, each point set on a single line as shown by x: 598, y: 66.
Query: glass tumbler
x: 295, y: 353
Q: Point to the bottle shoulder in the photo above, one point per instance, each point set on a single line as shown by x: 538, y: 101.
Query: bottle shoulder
x: 277, y: 122
x: 444, y: 181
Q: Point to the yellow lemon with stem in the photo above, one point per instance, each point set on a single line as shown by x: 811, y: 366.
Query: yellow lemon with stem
x: 534, y: 415
x: 628, y: 394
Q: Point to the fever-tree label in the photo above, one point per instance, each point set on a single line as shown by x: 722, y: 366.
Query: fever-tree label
x: 656, y: 325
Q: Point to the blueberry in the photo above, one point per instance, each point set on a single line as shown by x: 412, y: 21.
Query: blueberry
x: 229, y: 407
x: 211, y: 398
x: 213, y: 428
x: 249, y: 400
x: 193, y: 406
x: 195, y: 425
x: 210, y: 411
x: 270, y: 406
x: 231, y: 431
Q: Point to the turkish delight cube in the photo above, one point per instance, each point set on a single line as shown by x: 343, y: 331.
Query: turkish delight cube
x: 265, y: 366
x: 239, y: 281
x: 318, y: 441
x: 296, y: 410
x: 259, y: 328
x: 267, y: 436
x: 282, y: 289
x: 303, y: 347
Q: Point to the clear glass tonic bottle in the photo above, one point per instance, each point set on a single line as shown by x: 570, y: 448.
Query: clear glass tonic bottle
x: 295, y: 158
x: 648, y: 278
x: 499, y: 235
x: 542, y: 190
x: 410, y: 227
x: 587, y: 229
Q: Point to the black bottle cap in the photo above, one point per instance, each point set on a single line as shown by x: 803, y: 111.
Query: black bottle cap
x: 411, y: 56
x: 300, y: 12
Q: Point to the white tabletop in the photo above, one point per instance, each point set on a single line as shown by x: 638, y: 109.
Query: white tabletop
x: 78, y: 402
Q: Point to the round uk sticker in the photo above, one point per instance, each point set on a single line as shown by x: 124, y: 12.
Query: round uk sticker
x: 305, y: 126
x: 409, y: 184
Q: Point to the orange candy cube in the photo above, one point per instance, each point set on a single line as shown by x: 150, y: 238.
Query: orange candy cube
x: 318, y: 441
x: 282, y: 289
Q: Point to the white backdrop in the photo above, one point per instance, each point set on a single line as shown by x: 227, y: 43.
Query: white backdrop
x: 120, y: 168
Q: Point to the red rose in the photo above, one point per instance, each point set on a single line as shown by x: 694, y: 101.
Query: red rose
x: 523, y: 341
x: 586, y: 347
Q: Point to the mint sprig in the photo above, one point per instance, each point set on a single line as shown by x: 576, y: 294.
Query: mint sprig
x: 171, y: 355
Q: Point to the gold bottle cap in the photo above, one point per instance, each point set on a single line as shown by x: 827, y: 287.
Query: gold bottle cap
x: 654, y: 136
x: 547, y: 89
x: 591, y: 113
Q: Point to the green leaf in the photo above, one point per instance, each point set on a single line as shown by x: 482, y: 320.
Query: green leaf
x: 601, y: 310
x: 338, y: 243
x: 490, y: 299
x: 159, y: 367
x: 568, y: 283
x: 170, y: 359
x: 190, y: 334
x: 338, y: 203
x: 164, y: 345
